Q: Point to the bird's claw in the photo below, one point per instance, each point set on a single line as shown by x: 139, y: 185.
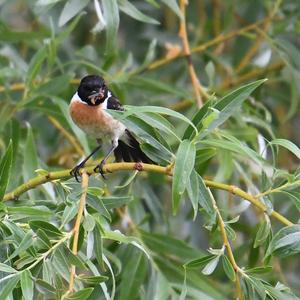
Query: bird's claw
x: 99, y: 169
x: 75, y: 172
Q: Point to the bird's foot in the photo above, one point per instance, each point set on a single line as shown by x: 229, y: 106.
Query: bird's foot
x: 99, y: 169
x: 75, y: 172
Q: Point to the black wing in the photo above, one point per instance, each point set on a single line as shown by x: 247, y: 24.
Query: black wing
x: 114, y: 103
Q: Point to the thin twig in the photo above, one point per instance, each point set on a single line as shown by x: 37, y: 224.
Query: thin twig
x: 84, y: 186
x: 227, y: 245
x: 198, y: 89
x: 109, y: 168
x: 254, y: 48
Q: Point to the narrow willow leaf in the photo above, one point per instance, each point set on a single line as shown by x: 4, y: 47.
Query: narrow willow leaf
x: 286, y: 242
x: 227, y: 106
x: 156, y: 109
x: 49, y: 229
x: 111, y: 202
x: 129, y: 9
x: 70, y: 10
x: 132, y: 276
x: 6, y: 268
x: 287, y: 145
x: 211, y: 266
x: 294, y: 196
x: 24, y: 245
x: 229, y: 271
x: 45, y: 288
x: 83, y: 294
x: 88, y: 222
x: 164, y: 244
x: 259, y: 270
x: 184, y: 165
x: 159, y: 122
x: 205, y: 199
x: 92, y: 280
x: 35, y: 66
x: 7, y: 284
x: 193, y: 191
x: 5, y: 169
x: 98, y: 244
x: 199, y: 262
x: 30, y: 162
x: 27, y: 285
x: 129, y: 180
x: 262, y: 233
x: 31, y: 213
x: 111, y: 15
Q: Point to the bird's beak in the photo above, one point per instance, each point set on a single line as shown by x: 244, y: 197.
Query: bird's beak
x: 97, y: 95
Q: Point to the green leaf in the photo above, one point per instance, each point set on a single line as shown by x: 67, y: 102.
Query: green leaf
x: 111, y: 202
x: 156, y: 109
x: 45, y: 288
x: 288, y: 145
x: 211, y: 266
x: 262, y: 233
x: 184, y: 165
x: 70, y: 10
x: 83, y: 294
x: 98, y: 244
x: 30, y: 161
x: 35, y: 66
x: 92, y: 280
x: 48, y: 228
x: 88, y: 222
x: 227, y: 106
x: 199, y: 262
x: 193, y: 191
x: 111, y: 15
x: 129, y: 9
x: 55, y: 86
x: 259, y: 270
x: 5, y: 169
x: 27, y: 285
x: 7, y: 284
x: 22, y: 212
x: 229, y: 271
x: 132, y: 276
x: 6, y: 268
x: 204, y: 197
x: 166, y: 244
x: 24, y: 245
x: 286, y: 242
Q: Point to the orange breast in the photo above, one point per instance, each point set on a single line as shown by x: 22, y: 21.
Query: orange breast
x: 94, y: 120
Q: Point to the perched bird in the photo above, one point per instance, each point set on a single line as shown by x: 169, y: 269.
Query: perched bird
x: 88, y: 111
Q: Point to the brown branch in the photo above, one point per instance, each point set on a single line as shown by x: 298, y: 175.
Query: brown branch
x: 109, y: 168
x: 84, y: 186
x: 217, y: 40
x: 236, y: 268
x: 198, y: 89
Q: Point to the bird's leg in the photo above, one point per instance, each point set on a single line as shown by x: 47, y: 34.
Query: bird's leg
x: 76, y: 171
x: 99, y: 168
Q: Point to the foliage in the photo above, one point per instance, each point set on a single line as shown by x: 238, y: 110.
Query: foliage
x: 220, y: 211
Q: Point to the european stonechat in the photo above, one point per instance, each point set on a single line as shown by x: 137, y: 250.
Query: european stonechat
x: 88, y: 111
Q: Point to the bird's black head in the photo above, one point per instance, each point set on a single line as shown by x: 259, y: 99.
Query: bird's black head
x: 92, y: 90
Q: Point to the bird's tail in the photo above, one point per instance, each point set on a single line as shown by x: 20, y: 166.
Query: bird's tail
x: 131, y: 151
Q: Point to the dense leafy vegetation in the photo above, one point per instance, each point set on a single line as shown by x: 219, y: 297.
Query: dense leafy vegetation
x: 211, y: 90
